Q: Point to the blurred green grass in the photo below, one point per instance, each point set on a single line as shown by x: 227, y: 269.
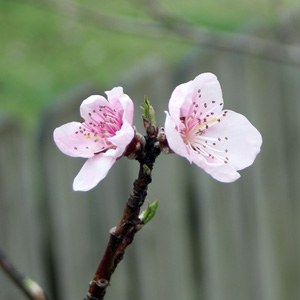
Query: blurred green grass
x: 44, y: 53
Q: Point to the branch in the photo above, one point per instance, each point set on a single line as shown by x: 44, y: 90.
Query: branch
x: 174, y: 30
x: 157, y: 11
x: 29, y: 287
x: 123, y: 234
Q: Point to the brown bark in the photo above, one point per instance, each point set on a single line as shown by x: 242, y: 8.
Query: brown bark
x: 122, y: 235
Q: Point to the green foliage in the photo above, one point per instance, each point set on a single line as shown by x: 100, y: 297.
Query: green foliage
x: 45, y: 53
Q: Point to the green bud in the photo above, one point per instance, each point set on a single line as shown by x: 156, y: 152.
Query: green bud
x: 149, y: 113
x: 146, y: 169
x: 152, y: 116
x: 34, y: 289
x: 148, y: 214
x: 146, y: 108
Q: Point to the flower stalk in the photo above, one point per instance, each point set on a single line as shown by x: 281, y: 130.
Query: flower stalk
x: 122, y: 235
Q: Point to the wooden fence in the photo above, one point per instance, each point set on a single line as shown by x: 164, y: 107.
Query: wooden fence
x: 208, y: 241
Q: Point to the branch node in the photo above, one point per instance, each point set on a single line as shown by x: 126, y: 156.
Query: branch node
x: 135, y: 202
x: 112, y: 232
x: 91, y: 297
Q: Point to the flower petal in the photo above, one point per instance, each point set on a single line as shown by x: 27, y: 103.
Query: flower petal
x: 174, y: 139
x: 91, y: 104
x: 204, y: 90
x: 221, y: 172
x: 122, y: 138
x: 238, y: 136
x: 181, y: 101
x: 121, y: 101
x: 70, y: 140
x: 207, y: 93
x: 92, y: 172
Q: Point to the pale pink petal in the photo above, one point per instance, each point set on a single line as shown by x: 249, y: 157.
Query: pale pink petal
x: 114, y: 96
x: 91, y: 104
x: 121, y: 102
x: 181, y: 100
x: 238, y: 136
x: 207, y: 94
x: 92, y: 172
x: 221, y: 172
x: 122, y: 138
x: 128, y: 109
x: 204, y: 91
x: 70, y: 139
x: 175, y: 141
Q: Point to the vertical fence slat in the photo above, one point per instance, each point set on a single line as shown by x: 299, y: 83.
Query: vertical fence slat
x: 20, y: 220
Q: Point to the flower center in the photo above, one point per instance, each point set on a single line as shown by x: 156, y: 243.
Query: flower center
x: 101, y: 124
x: 194, y: 132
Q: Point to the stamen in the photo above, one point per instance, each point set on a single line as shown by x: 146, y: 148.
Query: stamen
x: 206, y: 123
x: 195, y: 127
x: 102, y: 124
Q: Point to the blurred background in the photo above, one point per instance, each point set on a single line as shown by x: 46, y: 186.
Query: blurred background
x: 209, y: 240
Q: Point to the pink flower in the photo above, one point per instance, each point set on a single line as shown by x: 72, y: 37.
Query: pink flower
x: 219, y: 141
x: 102, y: 136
